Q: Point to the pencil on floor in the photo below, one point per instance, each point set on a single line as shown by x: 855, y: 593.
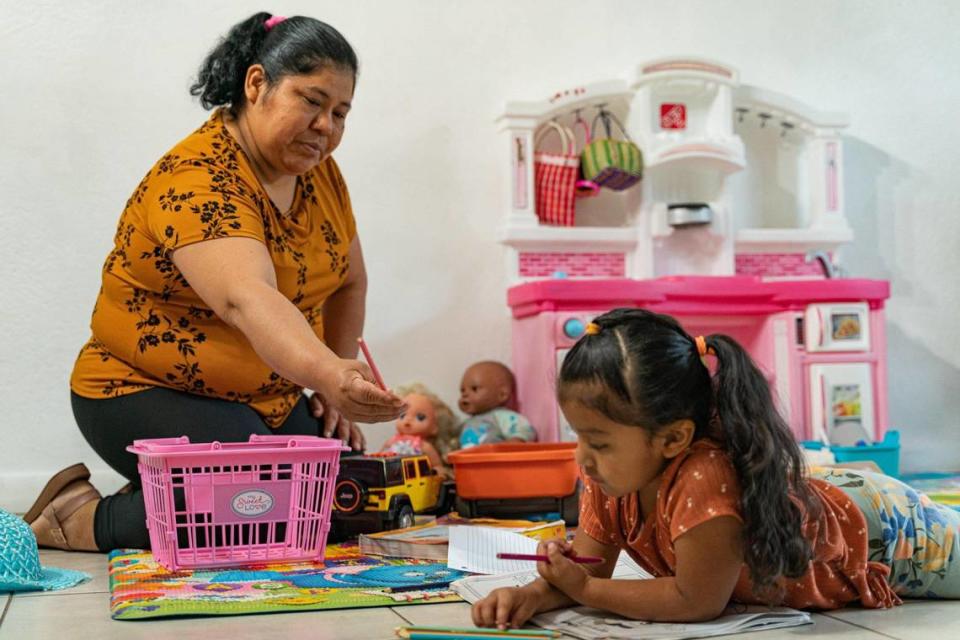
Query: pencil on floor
x: 444, y: 633
x: 418, y: 587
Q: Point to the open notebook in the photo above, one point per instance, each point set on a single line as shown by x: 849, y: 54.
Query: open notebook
x: 594, y: 624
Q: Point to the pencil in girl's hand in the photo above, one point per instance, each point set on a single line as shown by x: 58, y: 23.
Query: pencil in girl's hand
x: 543, y: 558
x: 373, y: 367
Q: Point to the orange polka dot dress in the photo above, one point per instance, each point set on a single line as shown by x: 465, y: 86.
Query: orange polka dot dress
x: 151, y: 329
x: 701, y: 484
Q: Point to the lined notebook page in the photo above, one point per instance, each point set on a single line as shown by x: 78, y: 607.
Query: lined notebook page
x: 475, y: 549
x: 473, y: 588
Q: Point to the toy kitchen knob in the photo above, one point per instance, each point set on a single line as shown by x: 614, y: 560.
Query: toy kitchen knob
x: 574, y: 328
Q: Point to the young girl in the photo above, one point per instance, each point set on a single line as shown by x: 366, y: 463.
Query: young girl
x: 699, y: 479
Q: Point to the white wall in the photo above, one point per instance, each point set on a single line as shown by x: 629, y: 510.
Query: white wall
x: 94, y: 92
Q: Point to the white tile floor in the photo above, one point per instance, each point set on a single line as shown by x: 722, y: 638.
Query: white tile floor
x: 84, y: 612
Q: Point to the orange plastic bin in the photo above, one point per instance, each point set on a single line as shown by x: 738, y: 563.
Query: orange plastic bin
x: 516, y: 478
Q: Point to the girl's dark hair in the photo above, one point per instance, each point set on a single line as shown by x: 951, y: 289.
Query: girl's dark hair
x: 642, y: 369
x: 295, y: 46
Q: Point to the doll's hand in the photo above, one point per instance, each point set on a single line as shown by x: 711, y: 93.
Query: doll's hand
x: 335, y: 425
x: 569, y: 577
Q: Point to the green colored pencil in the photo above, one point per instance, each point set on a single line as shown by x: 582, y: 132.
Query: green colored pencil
x: 442, y: 633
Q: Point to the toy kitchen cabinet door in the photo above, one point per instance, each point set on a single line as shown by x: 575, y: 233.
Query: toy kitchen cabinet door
x: 841, y: 399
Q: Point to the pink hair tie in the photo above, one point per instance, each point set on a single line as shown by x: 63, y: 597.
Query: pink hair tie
x: 273, y: 21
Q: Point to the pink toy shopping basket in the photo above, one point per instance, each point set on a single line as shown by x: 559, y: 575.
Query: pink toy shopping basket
x: 220, y: 504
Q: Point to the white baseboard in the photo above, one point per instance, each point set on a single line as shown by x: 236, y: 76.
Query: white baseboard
x: 19, y: 489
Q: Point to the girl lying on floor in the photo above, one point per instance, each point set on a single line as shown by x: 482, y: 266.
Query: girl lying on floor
x: 699, y: 479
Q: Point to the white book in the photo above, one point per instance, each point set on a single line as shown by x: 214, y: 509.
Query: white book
x: 595, y: 624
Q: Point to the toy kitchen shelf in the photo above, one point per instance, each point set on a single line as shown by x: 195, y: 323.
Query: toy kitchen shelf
x: 769, y: 167
x: 767, y: 172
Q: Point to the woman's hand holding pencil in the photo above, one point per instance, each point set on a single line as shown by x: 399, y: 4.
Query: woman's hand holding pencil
x: 356, y: 391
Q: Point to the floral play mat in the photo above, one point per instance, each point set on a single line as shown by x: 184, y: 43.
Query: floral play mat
x: 140, y: 588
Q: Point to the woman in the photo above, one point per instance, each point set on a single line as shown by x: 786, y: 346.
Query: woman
x: 236, y: 280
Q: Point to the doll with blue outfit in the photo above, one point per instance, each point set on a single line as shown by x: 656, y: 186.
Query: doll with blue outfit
x: 486, y: 395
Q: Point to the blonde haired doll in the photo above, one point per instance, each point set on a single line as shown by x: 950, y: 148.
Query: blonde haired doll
x: 427, y: 426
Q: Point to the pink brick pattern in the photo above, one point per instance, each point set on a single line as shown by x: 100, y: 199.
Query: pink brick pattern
x: 574, y: 265
x: 776, y: 264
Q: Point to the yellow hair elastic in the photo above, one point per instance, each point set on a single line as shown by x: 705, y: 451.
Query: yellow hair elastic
x: 702, y: 349
x: 592, y: 329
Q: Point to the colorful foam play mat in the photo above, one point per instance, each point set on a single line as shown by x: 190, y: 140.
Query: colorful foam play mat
x: 940, y: 487
x: 140, y: 588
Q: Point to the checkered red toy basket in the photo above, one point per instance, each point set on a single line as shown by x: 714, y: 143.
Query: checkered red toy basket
x: 554, y: 177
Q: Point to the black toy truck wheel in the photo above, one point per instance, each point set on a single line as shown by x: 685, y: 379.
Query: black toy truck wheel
x: 465, y: 508
x: 405, y: 517
x: 448, y: 496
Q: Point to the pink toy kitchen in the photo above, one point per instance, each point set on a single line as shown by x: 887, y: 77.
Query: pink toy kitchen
x: 736, y: 227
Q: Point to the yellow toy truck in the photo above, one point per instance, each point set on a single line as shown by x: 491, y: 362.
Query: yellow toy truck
x: 375, y: 492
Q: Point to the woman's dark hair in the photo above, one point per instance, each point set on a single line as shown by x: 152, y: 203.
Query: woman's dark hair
x: 642, y: 369
x: 294, y: 46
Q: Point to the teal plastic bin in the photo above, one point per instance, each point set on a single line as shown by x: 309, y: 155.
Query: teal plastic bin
x: 885, y: 454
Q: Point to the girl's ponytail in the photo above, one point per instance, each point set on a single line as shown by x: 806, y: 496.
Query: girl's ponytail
x: 768, y: 463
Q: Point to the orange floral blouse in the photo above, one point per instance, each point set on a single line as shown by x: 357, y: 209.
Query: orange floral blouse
x: 150, y: 329
x: 701, y: 484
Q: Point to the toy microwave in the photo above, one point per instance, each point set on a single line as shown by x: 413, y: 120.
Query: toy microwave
x: 837, y: 327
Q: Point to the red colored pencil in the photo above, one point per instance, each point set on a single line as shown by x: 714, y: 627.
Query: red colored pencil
x: 541, y: 558
x: 373, y: 367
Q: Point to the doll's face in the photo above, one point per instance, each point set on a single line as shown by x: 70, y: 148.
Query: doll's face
x: 484, y: 386
x: 419, y: 419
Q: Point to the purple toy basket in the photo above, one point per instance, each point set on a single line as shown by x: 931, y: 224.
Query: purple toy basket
x: 223, y: 504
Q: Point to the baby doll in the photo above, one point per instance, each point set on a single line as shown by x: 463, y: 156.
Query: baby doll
x: 486, y: 393
x: 424, y: 427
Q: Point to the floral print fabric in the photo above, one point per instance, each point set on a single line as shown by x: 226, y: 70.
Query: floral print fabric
x: 917, y: 538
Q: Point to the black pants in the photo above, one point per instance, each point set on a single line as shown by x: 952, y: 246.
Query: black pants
x: 111, y: 424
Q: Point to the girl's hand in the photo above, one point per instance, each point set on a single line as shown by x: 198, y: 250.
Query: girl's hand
x: 566, y: 576
x: 507, y: 607
x: 350, y: 388
x: 335, y: 425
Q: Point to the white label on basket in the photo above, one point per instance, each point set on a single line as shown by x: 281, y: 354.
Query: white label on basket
x: 252, y: 503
